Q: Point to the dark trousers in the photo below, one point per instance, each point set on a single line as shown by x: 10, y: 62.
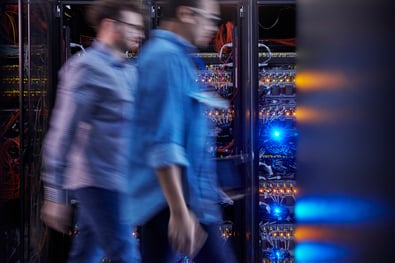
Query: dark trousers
x: 155, y: 246
x: 99, y: 231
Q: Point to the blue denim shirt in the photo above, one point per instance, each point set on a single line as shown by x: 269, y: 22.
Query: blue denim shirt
x: 170, y: 128
x: 86, y: 144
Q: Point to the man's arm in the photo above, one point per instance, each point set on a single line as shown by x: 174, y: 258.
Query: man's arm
x: 72, y: 105
x: 185, y: 233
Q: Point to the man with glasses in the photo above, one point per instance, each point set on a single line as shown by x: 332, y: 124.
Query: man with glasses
x: 85, y: 153
x: 173, y: 182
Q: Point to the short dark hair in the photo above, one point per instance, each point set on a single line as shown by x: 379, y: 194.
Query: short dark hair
x: 101, y: 9
x: 170, y: 7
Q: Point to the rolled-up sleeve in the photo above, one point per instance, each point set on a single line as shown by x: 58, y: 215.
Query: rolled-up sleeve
x: 166, y: 154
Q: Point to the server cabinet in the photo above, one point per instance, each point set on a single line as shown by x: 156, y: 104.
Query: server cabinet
x: 266, y: 115
x: 26, y: 81
x: 277, y: 133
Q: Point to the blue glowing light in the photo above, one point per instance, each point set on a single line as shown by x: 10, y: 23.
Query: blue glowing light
x: 278, y: 211
x: 336, y: 209
x: 276, y: 255
x: 314, y: 252
x: 277, y: 134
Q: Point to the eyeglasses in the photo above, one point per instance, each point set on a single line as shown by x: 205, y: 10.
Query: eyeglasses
x: 213, y: 18
x: 134, y: 26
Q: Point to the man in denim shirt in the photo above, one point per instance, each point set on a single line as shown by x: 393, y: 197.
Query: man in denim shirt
x: 85, y: 151
x: 173, y: 183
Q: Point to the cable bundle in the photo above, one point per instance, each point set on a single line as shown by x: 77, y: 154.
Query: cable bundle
x: 9, y: 162
x: 223, y: 36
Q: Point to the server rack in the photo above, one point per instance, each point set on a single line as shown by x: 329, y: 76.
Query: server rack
x: 268, y: 63
x: 26, y: 84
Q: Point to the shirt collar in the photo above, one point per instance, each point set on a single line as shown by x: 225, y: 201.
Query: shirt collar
x: 174, y: 38
x: 106, y: 52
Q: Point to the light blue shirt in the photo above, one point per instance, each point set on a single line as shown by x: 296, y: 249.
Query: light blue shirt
x: 86, y: 144
x: 170, y: 127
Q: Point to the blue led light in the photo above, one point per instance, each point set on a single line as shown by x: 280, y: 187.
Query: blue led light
x: 277, y: 134
x: 278, y: 211
x: 276, y: 255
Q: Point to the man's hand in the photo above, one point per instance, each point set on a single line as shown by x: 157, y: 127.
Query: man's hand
x: 57, y: 216
x: 186, y: 235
